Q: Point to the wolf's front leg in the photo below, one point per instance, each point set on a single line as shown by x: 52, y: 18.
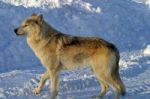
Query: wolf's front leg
x: 43, y: 79
x: 54, y: 84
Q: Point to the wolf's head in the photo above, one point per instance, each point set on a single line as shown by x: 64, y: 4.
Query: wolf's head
x: 30, y: 26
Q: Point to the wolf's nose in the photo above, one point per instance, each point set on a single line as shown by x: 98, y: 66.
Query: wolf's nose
x: 15, y: 30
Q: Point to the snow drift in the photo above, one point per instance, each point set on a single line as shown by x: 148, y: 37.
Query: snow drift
x: 126, y: 23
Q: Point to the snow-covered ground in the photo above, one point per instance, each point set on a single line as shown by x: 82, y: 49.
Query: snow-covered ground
x: 126, y: 23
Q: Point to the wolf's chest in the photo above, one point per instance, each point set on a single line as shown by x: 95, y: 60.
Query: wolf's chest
x: 37, y: 48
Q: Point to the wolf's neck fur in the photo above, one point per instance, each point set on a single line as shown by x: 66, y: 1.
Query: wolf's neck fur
x: 44, y: 37
x: 46, y: 31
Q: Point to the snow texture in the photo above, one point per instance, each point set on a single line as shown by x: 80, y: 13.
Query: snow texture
x: 126, y: 23
x: 147, y: 50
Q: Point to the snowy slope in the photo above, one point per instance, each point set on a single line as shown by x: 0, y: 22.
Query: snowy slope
x: 126, y: 23
x: 125, y: 20
x: 80, y: 84
x: 147, y: 2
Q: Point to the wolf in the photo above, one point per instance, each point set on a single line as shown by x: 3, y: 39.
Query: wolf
x: 58, y: 51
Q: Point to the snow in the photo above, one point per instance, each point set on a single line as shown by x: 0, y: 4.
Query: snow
x: 147, y: 50
x: 146, y: 2
x: 126, y: 23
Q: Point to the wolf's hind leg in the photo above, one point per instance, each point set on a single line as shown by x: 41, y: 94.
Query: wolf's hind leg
x: 43, y: 79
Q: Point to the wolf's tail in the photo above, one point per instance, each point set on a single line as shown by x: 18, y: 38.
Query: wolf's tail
x: 117, y: 82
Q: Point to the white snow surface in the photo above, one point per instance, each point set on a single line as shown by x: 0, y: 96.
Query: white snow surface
x: 126, y: 23
x: 147, y: 50
x: 146, y: 2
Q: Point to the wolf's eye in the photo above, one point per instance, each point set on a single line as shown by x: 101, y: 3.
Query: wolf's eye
x: 25, y: 25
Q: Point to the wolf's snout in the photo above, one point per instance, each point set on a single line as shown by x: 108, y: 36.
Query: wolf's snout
x: 15, y: 30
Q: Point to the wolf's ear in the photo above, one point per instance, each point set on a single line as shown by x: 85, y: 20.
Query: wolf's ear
x: 40, y: 19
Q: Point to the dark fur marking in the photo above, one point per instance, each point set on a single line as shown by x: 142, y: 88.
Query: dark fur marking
x: 79, y: 58
x: 74, y: 41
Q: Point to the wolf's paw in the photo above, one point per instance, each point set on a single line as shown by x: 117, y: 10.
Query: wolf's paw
x: 36, y: 91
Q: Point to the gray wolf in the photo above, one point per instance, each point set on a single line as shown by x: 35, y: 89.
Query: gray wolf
x: 58, y: 51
